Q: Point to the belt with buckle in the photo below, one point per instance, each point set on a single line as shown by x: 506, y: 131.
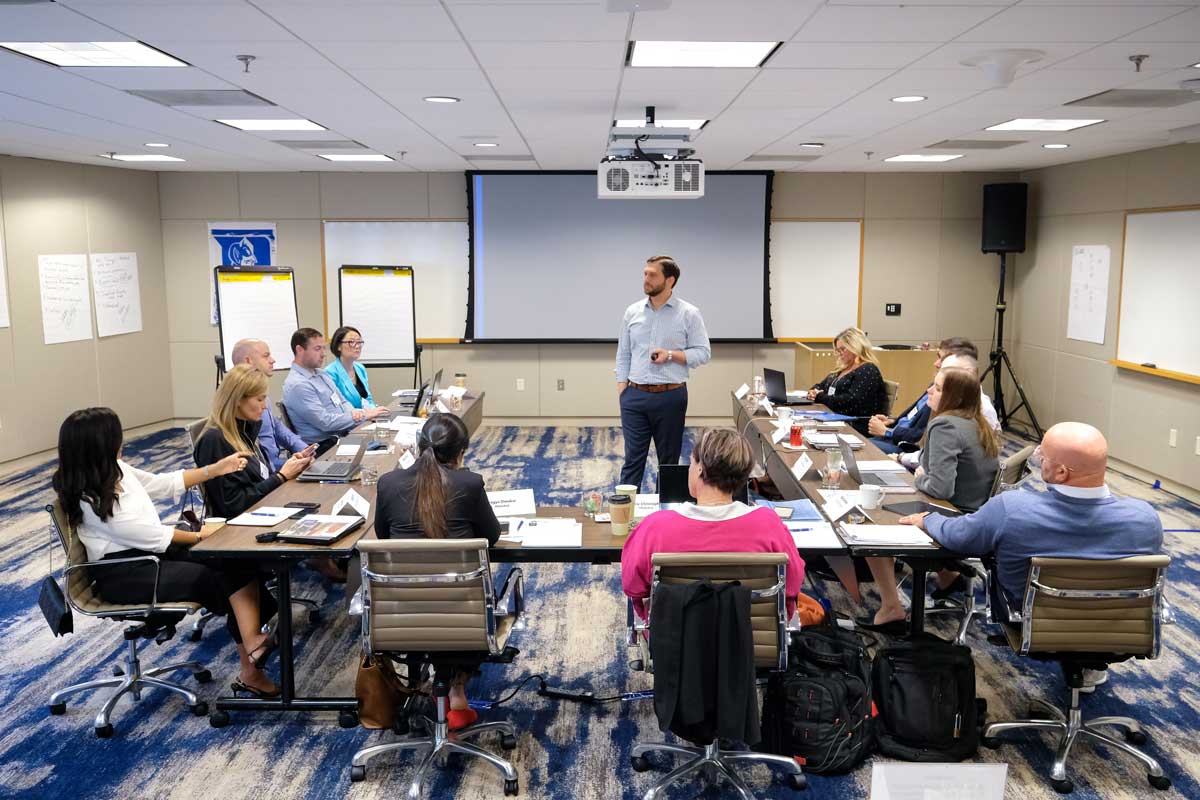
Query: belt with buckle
x: 656, y: 387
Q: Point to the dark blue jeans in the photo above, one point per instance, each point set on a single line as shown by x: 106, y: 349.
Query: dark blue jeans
x: 651, y: 415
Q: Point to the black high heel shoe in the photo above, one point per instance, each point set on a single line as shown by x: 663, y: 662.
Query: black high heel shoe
x: 242, y: 688
x: 259, y: 655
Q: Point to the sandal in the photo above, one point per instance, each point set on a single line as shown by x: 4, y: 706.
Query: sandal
x: 264, y: 651
x: 260, y: 694
x: 458, y: 718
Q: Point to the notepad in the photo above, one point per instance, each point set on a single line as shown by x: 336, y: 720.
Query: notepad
x: 889, y: 535
x: 815, y: 535
x: 551, y: 532
x: 264, y: 516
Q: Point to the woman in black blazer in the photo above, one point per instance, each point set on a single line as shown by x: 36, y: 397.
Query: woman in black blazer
x: 437, y: 498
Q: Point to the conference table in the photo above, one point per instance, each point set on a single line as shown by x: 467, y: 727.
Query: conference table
x: 757, y: 426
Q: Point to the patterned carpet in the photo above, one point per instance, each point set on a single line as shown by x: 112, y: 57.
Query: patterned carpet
x: 577, y: 620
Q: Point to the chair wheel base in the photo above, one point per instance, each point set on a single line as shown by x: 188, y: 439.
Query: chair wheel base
x: 58, y: 709
x: 348, y: 719
x: 797, y: 782
x: 1135, y: 738
x: 1062, y: 787
x: 200, y: 709
x: 990, y: 742
x: 639, y: 763
x: 358, y: 774
x: 218, y: 719
x: 203, y: 676
x: 1160, y: 782
x: 195, y: 636
x: 511, y: 788
x: 508, y: 742
x: 104, y: 732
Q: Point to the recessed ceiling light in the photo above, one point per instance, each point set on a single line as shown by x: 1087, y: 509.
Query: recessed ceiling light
x: 95, y: 54
x: 441, y: 99
x: 1055, y: 125
x: 700, y: 54
x: 1056, y: 146
x: 156, y: 144
x: 272, y: 124
x: 486, y: 144
x: 354, y: 157
x: 919, y: 158
x: 909, y: 98
x: 141, y: 157
x: 691, y: 124
x: 812, y: 144
x: 1195, y: 66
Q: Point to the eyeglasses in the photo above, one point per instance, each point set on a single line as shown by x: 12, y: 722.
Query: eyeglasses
x: 1039, y: 456
x: 354, y: 342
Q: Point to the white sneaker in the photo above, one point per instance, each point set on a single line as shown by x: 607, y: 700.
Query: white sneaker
x: 1093, y: 678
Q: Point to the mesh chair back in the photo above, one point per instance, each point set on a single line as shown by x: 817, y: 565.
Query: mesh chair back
x: 428, y: 595
x: 1012, y: 469
x: 1094, y: 606
x: 194, y: 430
x: 757, y: 571
x: 893, y: 391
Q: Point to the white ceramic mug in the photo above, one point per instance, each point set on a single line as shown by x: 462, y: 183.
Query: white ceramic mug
x: 870, y: 496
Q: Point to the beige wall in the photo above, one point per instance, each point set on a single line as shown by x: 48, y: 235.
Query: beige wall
x: 1085, y: 203
x: 50, y: 207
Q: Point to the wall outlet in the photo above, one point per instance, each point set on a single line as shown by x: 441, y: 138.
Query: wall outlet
x: 1173, y: 437
x: 520, y: 384
x: 562, y: 385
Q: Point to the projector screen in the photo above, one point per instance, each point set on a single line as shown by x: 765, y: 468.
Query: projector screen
x: 552, y: 262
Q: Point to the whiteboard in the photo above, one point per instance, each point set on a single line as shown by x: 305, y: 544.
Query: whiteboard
x: 257, y: 303
x: 380, y: 302
x: 1160, y: 281
x: 815, y: 270
x: 435, y: 250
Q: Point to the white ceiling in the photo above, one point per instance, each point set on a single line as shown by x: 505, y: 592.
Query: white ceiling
x: 545, y: 78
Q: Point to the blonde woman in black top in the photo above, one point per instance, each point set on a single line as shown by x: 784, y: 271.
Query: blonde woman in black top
x: 856, y: 387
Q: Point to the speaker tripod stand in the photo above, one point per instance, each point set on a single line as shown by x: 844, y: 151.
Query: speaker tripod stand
x: 998, y: 361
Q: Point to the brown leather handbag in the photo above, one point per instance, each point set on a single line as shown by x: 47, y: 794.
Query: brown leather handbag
x: 380, y: 692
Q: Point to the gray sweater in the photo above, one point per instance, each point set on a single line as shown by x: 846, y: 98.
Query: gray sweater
x: 956, y: 466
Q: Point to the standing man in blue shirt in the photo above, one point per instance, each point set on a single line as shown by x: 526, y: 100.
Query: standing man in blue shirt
x: 662, y: 338
x: 316, y: 407
x: 273, y: 437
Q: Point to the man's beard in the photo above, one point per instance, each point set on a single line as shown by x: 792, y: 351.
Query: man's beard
x: 655, y: 292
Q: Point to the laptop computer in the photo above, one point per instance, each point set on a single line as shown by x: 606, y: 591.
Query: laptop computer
x: 777, y: 391
x: 429, y: 401
x: 411, y: 408
x: 877, y: 478
x: 673, y: 486
x: 335, y: 469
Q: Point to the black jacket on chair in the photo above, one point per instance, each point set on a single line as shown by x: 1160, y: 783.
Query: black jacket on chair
x: 702, y: 645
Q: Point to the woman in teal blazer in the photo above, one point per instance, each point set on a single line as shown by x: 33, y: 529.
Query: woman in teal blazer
x: 347, y: 345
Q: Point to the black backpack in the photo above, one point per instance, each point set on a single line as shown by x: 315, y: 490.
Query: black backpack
x: 819, y: 711
x: 925, y: 692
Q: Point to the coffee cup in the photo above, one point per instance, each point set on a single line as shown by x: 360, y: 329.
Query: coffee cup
x: 627, y: 489
x: 870, y: 496
x: 620, y: 509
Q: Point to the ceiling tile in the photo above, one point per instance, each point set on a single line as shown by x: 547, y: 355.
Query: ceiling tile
x: 539, y: 23
x: 150, y: 77
x: 891, y: 23
x: 1067, y: 23
x: 334, y: 22
x: 189, y: 22
x: 49, y: 22
x: 673, y: 105
x: 542, y: 55
x: 641, y: 79
x: 722, y: 21
x: 405, y: 55
x: 1115, y: 56
x: 419, y: 83
x: 951, y: 55
x: 583, y: 80
x: 848, y: 55
x: 1184, y: 27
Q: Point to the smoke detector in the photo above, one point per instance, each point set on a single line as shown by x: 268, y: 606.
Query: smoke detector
x: 1000, y: 66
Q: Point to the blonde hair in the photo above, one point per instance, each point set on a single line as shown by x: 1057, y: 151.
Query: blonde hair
x: 857, y: 343
x: 725, y: 459
x: 240, y: 382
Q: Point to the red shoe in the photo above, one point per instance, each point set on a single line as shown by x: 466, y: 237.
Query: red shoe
x: 458, y: 718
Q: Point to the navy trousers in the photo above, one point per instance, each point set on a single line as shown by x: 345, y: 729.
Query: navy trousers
x: 651, y: 415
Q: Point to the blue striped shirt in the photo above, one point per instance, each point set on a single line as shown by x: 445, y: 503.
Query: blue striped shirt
x: 676, y: 326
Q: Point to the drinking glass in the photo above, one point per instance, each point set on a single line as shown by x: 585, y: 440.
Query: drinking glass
x: 368, y: 475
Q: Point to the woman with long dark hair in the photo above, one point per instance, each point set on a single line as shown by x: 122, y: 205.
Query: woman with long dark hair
x: 111, y: 506
x: 437, y: 498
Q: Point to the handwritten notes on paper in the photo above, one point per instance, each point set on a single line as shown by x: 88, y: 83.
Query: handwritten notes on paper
x: 115, y: 289
x: 66, y: 308
x: 1087, y: 310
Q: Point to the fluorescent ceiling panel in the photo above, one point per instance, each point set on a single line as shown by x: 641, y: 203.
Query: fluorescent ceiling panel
x: 916, y: 158
x: 700, y: 54
x: 95, y: 54
x: 354, y: 157
x: 690, y: 124
x: 272, y: 124
x: 1053, y: 125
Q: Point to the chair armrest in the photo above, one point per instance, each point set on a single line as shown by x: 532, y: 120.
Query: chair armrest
x: 109, y: 562
x: 515, y: 605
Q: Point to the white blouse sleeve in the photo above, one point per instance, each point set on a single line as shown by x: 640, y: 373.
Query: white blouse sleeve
x: 167, y: 486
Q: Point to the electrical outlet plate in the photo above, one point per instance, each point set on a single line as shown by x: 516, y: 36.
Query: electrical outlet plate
x: 520, y: 384
x: 562, y: 385
x: 1173, y: 437
x: 1198, y: 445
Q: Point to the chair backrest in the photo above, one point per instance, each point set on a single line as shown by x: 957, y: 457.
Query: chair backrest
x: 427, y: 595
x: 893, y: 391
x: 1012, y: 469
x: 79, y: 588
x: 194, y: 430
x: 763, y: 573
x: 283, y: 416
x: 1094, y: 606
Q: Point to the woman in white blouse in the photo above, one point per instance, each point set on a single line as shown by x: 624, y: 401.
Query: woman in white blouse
x: 111, y: 506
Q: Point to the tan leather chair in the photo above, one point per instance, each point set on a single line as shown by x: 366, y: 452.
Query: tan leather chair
x: 1012, y: 470
x: 764, y: 575
x: 1087, y: 614
x: 893, y: 391
x: 152, y: 620
x: 433, y: 601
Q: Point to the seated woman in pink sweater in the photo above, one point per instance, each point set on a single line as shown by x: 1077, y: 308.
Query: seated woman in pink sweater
x: 715, y: 523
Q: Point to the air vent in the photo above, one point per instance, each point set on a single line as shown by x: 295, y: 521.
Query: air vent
x: 972, y: 144
x: 792, y: 158
x: 687, y: 177
x: 1138, y: 98
x: 201, y: 97
x: 617, y: 179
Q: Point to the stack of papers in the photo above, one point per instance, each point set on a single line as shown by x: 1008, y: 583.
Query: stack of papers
x: 829, y: 441
x: 263, y: 516
x: 893, y: 535
x: 814, y: 536
x: 545, y: 532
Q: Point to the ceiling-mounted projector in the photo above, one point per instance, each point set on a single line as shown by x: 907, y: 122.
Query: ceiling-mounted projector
x: 643, y: 180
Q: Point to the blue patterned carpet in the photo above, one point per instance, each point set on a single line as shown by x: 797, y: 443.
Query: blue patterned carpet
x: 577, y: 620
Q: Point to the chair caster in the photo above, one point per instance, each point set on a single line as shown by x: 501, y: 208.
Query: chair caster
x: 1160, y: 782
x: 990, y: 742
x: 104, y: 732
x: 203, y: 676
x: 218, y: 719
x: 637, y: 665
x: 196, y: 635
x: 200, y: 709
x: 400, y: 725
x: 358, y: 774
x: 348, y: 719
x: 798, y: 782
x: 511, y: 788
x: 58, y: 709
x: 639, y: 763
x: 1062, y: 787
x: 1135, y: 738
x: 117, y: 671
x: 508, y: 742
x: 314, y: 617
